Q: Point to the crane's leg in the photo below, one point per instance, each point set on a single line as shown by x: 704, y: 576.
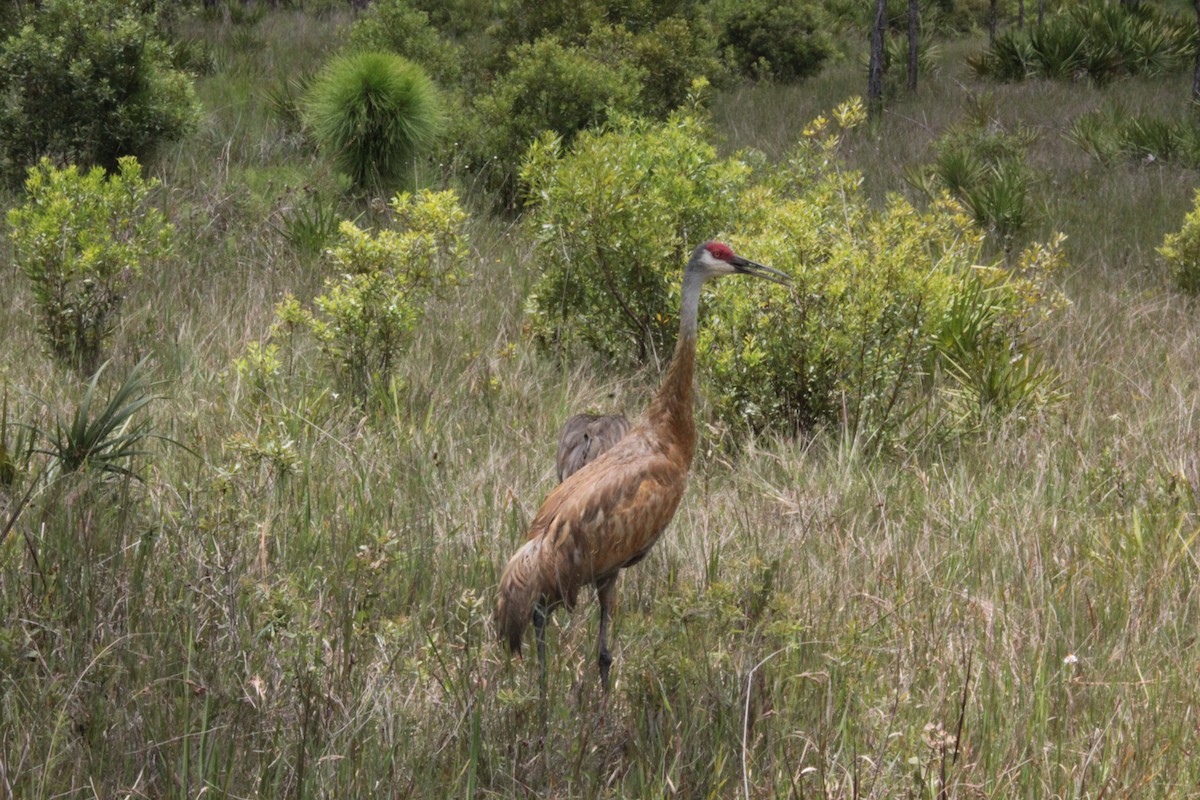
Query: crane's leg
x: 539, y: 625
x: 606, y: 592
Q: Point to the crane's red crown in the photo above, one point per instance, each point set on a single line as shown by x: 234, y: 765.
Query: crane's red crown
x: 720, y: 250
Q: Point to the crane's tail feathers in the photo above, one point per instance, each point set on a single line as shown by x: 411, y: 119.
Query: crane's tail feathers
x: 519, y: 592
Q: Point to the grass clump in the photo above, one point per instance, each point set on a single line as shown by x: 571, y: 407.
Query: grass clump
x: 374, y: 113
x: 106, y: 438
x: 80, y: 238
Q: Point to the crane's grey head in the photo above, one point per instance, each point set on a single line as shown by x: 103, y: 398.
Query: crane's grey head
x: 716, y: 259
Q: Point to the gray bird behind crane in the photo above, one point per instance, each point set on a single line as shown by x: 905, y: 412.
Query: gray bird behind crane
x: 584, y: 438
x: 607, y: 516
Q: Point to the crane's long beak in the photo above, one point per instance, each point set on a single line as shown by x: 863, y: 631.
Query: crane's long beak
x: 747, y: 267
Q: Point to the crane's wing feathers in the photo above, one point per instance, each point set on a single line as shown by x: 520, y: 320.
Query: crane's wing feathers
x: 606, y: 516
x: 584, y: 438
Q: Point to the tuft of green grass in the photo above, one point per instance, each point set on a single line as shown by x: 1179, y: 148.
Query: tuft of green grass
x: 375, y: 112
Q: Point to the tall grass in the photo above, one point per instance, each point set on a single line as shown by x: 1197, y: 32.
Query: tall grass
x: 298, y: 606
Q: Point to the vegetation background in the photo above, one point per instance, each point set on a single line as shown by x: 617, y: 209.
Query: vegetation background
x: 233, y: 564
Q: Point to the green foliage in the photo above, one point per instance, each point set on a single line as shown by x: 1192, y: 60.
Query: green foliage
x: 399, y: 26
x: 311, y: 224
x: 103, y: 439
x: 981, y: 345
x: 780, y: 41
x: 1181, y: 251
x: 374, y: 112
x: 88, y: 81
x: 614, y: 217
x: 550, y: 87
x: 670, y: 56
x: 889, y: 309
x: 367, y: 313
x: 856, y: 340
x: 1111, y: 132
x: 1099, y: 39
x: 14, y: 451
x: 80, y: 238
x: 985, y: 168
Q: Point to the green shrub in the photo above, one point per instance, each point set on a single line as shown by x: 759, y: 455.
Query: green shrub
x: 375, y: 112
x: 80, y: 238
x: 615, y: 217
x: 398, y: 26
x: 780, y: 41
x: 86, y: 82
x: 565, y: 20
x: 551, y: 87
x: 871, y: 331
x: 670, y: 56
x: 368, y: 311
x: 1181, y: 251
x: 866, y: 337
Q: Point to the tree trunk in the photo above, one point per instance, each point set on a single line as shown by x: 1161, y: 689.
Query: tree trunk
x: 1041, y: 11
x: 1020, y: 14
x: 914, y: 31
x: 875, y: 70
x: 1196, y: 74
x: 992, y: 22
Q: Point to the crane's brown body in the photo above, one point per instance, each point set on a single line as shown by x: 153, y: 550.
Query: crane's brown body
x: 608, y: 515
x: 584, y: 438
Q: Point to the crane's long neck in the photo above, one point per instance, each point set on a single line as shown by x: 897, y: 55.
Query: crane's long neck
x: 671, y: 411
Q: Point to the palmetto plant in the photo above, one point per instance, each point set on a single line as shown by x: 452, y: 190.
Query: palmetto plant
x: 102, y: 438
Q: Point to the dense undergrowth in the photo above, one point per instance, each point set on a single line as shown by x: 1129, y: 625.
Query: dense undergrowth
x: 292, y: 596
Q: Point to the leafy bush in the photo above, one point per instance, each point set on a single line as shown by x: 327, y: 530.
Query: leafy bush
x: 1181, y: 251
x: 366, y: 313
x: 551, y: 87
x: 781, y: 41
x: 868, y: 334
x: 375, y: 112
x: 614, y: 218
x: 874, y: 327
x: 88, y: 81
x: 398, y: 26
x: 670, y: 56
x: 1097, y: 39
x: 80, y: 238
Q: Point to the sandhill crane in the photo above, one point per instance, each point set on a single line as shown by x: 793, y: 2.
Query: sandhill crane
x: 584, y: 438
x: 608, y: 515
